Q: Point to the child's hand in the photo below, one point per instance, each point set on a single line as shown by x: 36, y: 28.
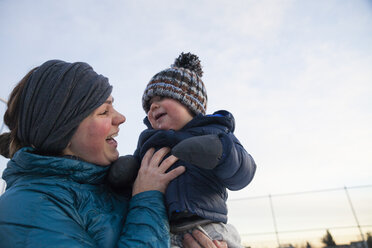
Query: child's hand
x: 203, y: 151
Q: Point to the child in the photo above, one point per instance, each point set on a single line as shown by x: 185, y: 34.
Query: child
x: 175, y: 101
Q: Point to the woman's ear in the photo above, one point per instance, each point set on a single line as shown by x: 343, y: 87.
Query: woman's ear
x: 67, y: 150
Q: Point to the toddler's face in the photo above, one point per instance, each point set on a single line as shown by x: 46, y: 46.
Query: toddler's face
x: 167, y: 113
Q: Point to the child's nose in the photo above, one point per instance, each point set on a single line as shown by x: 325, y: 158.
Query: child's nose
x: 154, y: 105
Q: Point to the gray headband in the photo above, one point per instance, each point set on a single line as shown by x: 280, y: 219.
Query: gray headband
x: 56, y: 98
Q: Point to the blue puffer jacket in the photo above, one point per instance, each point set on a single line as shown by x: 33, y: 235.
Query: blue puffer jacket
x: 199, y: 191
x: 60, y: 202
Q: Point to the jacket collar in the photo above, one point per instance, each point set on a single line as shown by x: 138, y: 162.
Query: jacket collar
x: 27, y: 163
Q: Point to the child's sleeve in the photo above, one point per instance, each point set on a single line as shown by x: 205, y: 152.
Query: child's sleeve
x: 237, y: 167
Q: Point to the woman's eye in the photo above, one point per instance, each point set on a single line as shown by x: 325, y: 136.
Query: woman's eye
x: 104, y: 113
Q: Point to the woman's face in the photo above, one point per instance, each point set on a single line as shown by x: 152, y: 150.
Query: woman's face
x: 94, y: 140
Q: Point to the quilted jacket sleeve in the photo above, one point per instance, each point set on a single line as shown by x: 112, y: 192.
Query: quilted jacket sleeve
x: 31, y: 219
x: 147, y: 223
x: 237, y: 167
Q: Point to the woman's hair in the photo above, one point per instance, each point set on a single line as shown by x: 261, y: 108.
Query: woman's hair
x: 9, y: 143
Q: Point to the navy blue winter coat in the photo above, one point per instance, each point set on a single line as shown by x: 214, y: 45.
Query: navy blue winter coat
x: 199, y: 191
x: 60, y: 202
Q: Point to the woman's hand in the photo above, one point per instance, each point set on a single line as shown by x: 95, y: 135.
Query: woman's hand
x: 199, y: 240
x: 152, y: 176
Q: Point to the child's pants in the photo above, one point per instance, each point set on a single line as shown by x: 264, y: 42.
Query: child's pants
x: 216, y: 231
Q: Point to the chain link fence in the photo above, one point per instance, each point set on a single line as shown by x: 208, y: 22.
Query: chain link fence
x: 295, y: 219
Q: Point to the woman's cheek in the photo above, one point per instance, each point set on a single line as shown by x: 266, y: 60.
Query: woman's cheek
x: 98, y: 132
x: 102, y: 129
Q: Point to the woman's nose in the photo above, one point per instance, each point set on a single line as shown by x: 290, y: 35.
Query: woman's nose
x: 118, y: 118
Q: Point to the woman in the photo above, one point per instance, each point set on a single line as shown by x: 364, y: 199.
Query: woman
x: 62, y: 127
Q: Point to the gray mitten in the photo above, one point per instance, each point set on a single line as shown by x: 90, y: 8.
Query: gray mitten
x: 203, y: 151
x: 123, y: 172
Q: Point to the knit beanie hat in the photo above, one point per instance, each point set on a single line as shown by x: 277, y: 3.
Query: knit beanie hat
x: 57, y: 97
x: 182, y: 82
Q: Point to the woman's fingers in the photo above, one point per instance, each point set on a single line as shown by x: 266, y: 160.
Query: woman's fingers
x: 203, y: 240
x: 199, y: 240
x: 159, y: 155
x: 152, y: 158
x: 220, y: 244
x: 168, y: 162
x: 148, y: 156
x: 175, y: 173
x: 189, y: 241
x: 152, y: 175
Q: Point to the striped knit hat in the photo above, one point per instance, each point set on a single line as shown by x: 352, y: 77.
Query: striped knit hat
x: 181, y: 82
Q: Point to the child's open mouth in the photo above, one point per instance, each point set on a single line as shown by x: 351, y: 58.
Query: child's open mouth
x: 158, y: 116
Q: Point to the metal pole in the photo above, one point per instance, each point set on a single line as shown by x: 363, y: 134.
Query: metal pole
x: 274, y: 220
x: 2, y: 186
x: 355, y: 217
x: 1, y: 128
x: 2, y: 125
x: 2, y: 189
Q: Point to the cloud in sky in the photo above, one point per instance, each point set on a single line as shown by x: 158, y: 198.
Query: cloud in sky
x: 295, y: 74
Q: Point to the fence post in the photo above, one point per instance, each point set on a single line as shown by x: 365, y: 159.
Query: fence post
x: 355, y: 217
x: 2, y: 188
x: 274, y: 220
x: 2, y: 125
x: 2, y: 182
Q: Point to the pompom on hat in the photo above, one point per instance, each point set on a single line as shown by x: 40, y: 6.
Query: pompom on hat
x: 182, y: 82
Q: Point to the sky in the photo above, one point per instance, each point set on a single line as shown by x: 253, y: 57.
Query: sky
x: 295, y: 74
